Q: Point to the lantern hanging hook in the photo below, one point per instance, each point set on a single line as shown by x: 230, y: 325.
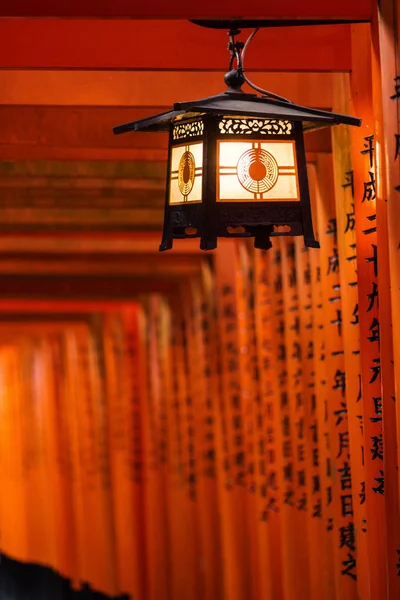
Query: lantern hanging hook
x: 235, y: 49
x: 234, y: 79
x: 237, y: 77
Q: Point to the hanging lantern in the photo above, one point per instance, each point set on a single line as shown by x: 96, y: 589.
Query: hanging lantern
x: 237, y: 164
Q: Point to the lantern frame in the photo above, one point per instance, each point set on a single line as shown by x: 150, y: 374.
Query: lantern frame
x: 211, y: 218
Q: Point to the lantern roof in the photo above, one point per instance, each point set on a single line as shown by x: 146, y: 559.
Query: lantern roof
x: 240, y: 105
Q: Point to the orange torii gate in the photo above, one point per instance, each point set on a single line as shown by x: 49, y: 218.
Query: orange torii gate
x: 217, y: 425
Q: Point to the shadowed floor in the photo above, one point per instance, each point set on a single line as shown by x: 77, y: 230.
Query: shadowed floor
x: 31, y: 582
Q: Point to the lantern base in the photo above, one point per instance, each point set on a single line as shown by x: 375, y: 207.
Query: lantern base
x: 262, y: 235
x: 311, y: 243
x: 208, y: 243
x: 262, y: 239
x: 166, y: 244
x: 232, y: 221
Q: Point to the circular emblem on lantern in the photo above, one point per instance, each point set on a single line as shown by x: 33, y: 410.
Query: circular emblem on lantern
x: 257, y: 170
x: 186, y: 173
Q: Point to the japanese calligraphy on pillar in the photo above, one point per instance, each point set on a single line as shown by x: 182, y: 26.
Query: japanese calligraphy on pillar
x: 296, y: 448
x: 151, y: 422
x: 160, y: 385
x: 188, y: 407
x: 131, y: 353
x: 279, y: 325
x: 365, y: 198
x: 235, y: 460
x: 386, y: 83
x: 346, y: 226
x: 307, y: 423
x: 253, y: 419
x: 270, y: 446
x: 339, y: 493
x: 210, y: 395
x: 271, y: 478
x: 280, y: 504
x: 294, y: 370
x: 370, y: 336
x: 196, y: 382
x: 177, y: 452
x: 396, y: 97
x: 231, y: 408
x: 248, y: 374
x: 321, y: 456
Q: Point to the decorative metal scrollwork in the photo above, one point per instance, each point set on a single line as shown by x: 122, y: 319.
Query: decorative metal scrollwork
x: 261, y: 126
x: 186, y: 130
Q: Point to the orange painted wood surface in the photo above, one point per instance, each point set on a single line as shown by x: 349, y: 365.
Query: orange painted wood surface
x: 311, y: 9
x: 346, y: 243
x: 321, y: 454
x: 271, y: 463
x: 220, y: 425
x: 337, y: 435
x: 385, y: 48
x: 294, y: 448
x: 364, y: 165
x: 308, y: 426
x: 84, y: 133
x: 55, y: 87
x: 79, y: 43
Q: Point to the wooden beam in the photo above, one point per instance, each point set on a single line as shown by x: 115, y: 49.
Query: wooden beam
x: 79, y: 43
x: 76, y: 127
x: 27, y: 310
x: 84, y: 220
x: 16, y: 312
x: 111, y: 243
x: 148, y: 88
x: 80, y: 287
x: 84, y: 170
x: 82, y: 185
x: 169, y: 266
x: 100, y: 186
x: 93, y: 201
x: 24, y: 152
x: 180, y: 9
x: 85, y: 133
x: 118, y: 175
x: 71, y: 205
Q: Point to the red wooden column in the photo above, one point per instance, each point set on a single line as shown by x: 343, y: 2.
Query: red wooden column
x: 307, y: 424
x: 257, y: 532
x: 321, y: 453
x: 346, y: 243
x: 233, y: 494
x: 339, y: 493
x: 156, y: 9
x: 271, y: 480
x: 280, y: 514
x: 386, y: 95
x: 295, y: 449
x: 198, y: 330
x: 369, y: 286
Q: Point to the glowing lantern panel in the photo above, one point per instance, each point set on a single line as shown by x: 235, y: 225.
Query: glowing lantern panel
x: 257, y: 171
x: 186, y: 174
